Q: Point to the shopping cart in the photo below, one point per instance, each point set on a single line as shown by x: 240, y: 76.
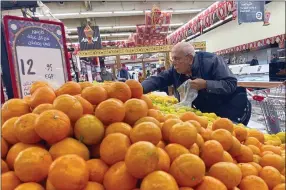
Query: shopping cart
x: 272, y: 105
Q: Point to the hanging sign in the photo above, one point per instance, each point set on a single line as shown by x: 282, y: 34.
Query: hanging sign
x: 36, y: 52
x: 89, y: 37
x: 250, y: 11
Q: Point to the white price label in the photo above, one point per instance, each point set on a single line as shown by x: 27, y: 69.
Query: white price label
x: 39, y: 64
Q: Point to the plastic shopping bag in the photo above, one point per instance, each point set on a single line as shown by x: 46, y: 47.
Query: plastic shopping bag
x: 187, y: 94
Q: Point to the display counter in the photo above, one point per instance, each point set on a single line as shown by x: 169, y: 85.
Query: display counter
x: 256, y: 84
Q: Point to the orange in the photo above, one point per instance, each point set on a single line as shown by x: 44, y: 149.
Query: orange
x: 9, y: 181
x: 141, y: 159
x: 255, y: 149
x: 135, y: 109
x: 164, y: 160
x: 69, y: 146
x: 37, y: 85
x: 148, y: 119
x: 118, y: 127
x: 240, y: 133
x: 247, y: 169
x: 281, y: 186
x: 271, y: 148
x: 30, y: 186
x: 273, y: 160
x: 195, y: 149
x: 119, y: 90
x: 53, y: 126
x: 70, y: 169
x: 267, y: 152
x: 192, y: 116
x: 146, y: 131
x: 223, y: 123
x: 85, y: 84
x: 206, y: 134
x: 236, y: 147
x: 89, y: 129
x: 24, y: 128
x: 94, y: 94
x: 209, y: 183
x: 188, y: 170
x: 86, y: 105
x: 8, y: 132
x: 97, y: 168
x: 49, y: 186
x: 171, y: 116
x: 14, y: 151
x: 168, y: 124
x: 252, y: 182
x: 147, y: 100
x: 4, y: 167
x: 228, y: 173
x: 71, y: 88
x: 227, y: 157
x: 200, y: 141
x: 184, y: 134
x: 118, y: 178
x: 32, y: 164
x: 27, y: 99
x: 212, y: 152
x: 271, y: 176
x: 69, y: 105
x: 135, y: 87
x: 93, y: 186
x: 14, y: 108
x: 158, y: 115
x: 42, y: 107
x: 186, y: 188
x: 256, y: 134
x: 256, y: 165
x: 224, y: 137
x: 110, y: 111
x: 159, y: 180
x: 42, y: 95
x: 188, y: 116
x: 161, y: 144
x: 246, y: 154
x: 252, y: 141
x: 175, y: 150
x: 114, y: 147
x: 256, y: 159
x: 196, y: 124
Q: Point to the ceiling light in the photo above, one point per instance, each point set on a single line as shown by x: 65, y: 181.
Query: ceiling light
x: 188, y: 10
x: 72, y: 29
x: 105, y: 27
x: 124, y: 12
x: 104, y: 35
x: 176, y: 24
x: 120, y: 34
x: 96, y: 13
x: 167, y: 11
x: 116, y: 27
x: 66, y: 14
x: 147, y: 11
x: 72, y: 37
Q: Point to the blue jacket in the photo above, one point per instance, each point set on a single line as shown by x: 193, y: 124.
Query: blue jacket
x: 221, y: 86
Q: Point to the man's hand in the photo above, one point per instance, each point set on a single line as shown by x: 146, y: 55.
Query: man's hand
x: 198, y: 84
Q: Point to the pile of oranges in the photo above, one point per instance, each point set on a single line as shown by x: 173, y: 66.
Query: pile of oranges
x: 95, y: 137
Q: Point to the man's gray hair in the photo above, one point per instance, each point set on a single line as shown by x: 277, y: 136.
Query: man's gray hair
x: 186, y: 47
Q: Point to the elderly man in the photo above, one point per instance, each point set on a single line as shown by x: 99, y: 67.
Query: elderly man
x: 216, y: 85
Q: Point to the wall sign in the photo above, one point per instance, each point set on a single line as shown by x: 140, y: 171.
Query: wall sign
x: 250, y: 11
x: 37, y: 52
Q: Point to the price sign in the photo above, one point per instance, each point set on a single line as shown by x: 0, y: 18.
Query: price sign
x: 37, y: 52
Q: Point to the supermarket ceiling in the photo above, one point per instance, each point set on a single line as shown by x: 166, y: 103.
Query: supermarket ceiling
x: 116, y: 19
